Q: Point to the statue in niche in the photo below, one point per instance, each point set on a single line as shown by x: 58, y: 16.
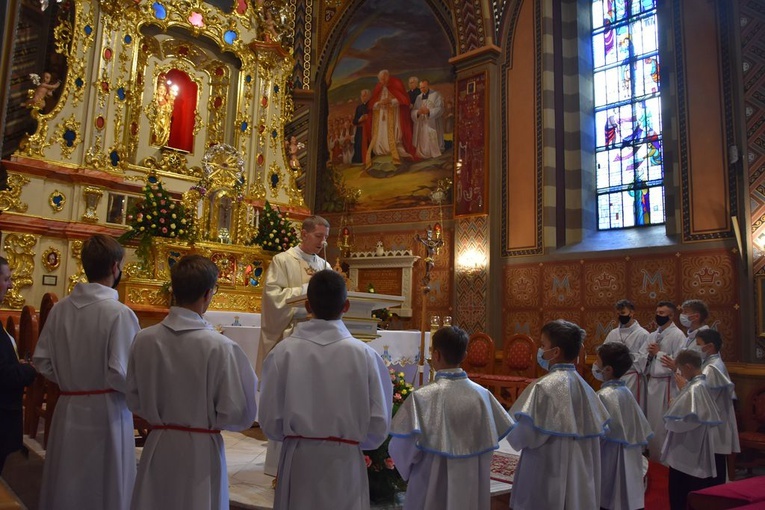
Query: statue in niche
x: 224, y: 213
x: 164, y: 99
x: 293, y: 146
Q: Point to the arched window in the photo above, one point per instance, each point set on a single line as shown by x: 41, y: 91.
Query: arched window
x: 627, y: 100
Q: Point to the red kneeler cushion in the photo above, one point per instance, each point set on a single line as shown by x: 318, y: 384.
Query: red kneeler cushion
x: 730, y: 495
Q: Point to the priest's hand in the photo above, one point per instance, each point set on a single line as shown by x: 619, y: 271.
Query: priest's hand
x: 653, y: 348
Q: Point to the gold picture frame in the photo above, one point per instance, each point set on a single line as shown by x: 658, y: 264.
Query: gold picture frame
x: 56, y: 200
x: 51, y: 259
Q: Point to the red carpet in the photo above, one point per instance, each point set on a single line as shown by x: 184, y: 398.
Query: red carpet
x: 656, y: 496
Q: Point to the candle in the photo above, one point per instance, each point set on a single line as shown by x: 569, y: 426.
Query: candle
x: 257, y: 219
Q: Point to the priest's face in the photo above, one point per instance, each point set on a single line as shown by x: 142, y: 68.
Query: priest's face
x: 313, y: 242
x: 5, y: 281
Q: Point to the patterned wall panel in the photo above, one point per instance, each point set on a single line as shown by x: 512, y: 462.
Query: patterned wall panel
x: 752, y: 26
x: 471, y: 237
x: 585, y: 291
x: 469, y: 25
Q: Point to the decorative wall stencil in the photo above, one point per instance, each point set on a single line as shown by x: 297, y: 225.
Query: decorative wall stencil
x: 471, y: 272
x: 471, y: 176
x: 561, y: 284
x: 523, y: 284
x: 653, y: 279
x: 605, y: 283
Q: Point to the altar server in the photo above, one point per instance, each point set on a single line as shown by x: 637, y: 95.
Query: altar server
x: 690, y: 444
x: 444, y: 434
x: 621, y: 449
x: 327, y: 396
x: 722, y: 390
x: 84, y: 348
x: 560, y: 421
x: 630, y: 333
x: 189, y: 382
x: 667, y: 341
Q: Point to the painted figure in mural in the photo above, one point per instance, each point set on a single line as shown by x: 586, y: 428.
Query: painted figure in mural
x: 611, y: 128
x: 361, y: 137
x: 346, y: 140
x: 428, y: 122
x: 449, y: 124
x: 44, y: 89
x: 389, y: 124
x: 163, y: 105
x: 414, y: 89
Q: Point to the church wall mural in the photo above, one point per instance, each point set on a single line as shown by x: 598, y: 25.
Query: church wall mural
x: 391, y: 116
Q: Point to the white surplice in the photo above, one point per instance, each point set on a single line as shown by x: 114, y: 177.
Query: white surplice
x: 621, y: 449
x: 84, y: 347
x: 721, y: 388
x: 322, y: 383
x: 661, y: 384
x: 560, y: 421
x: 689, y: 446
x: 428, y: 130
x: 286, y: 277
x: 184, y: 373
x: 444, y: 435
x: 635, y: 337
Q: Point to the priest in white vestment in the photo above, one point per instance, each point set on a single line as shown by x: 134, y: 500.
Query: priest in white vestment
x: 621, y: 449
x: 560, y: 421
x: 722, y: 390
x: 667, y: 341
x: 327, y: 396
x: 189, y: 382
x: 286, y: 277
x: 84, y: 348
x: 635, y: 337
x: 445, y: 433
x: 428, y: 122
x: 690, y: 444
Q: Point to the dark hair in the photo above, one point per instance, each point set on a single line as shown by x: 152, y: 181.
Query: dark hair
x: 4, y: 261
x: 451, y: 342
x: 688, y: 357
x: 311, y: 222
x: 625, y: 303
x: 711, y: 336
x: 565, y: 335
x: 327, y: 294
x: 617, y: 356
x: 191, y: 277
x: 699, y: 307
x: 668, y: 304
x: 99, y: 253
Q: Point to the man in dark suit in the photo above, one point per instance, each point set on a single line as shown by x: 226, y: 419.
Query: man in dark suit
x: 361, y: 138
x: 14, y: 375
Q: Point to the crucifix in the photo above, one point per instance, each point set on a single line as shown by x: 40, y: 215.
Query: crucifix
x: 433, y: 243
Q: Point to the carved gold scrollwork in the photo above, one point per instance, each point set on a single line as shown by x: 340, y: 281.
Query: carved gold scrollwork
x: 92, y: 198
x: 148, y: 296
x: 172, y: 162
x: 19, y: 250
x: 10, y: 199
x: 79, y: 276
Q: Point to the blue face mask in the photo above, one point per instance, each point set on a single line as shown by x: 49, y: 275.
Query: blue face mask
x: 541, y: 360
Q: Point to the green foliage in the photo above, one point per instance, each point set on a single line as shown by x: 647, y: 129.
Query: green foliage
x: 275, y: 231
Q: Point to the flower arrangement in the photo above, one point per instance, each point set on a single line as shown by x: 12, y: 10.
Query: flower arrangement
x: 275, y: 231
x: 157, y: 215
x: 384, y: 479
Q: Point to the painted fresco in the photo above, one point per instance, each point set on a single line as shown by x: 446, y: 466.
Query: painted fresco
x: 390, y: 126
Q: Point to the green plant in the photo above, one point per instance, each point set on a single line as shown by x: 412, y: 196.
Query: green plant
x: 275, y: 231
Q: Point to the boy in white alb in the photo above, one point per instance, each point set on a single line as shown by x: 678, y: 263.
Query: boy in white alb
x: 690, y: 444
x: 445, y: 433
x: 621, y: 449
x: 327, y: 396
x: 559, y: 423
x: 667, y: 341
x: 630, y: 333
x: 722, y: 389
x: 84, y: 348
x: 189, y: 382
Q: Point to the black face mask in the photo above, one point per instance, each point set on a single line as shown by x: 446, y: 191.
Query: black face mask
x: 117, y: 280
x: 662, y: 320
x: 624, y: 319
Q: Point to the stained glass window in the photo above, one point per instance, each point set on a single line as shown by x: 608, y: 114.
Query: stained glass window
x: 628, y: 140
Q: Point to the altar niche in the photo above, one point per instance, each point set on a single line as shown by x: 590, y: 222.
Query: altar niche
x: 173, y: 111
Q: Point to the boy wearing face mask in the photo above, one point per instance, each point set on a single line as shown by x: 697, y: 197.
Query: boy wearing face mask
x: 694, y: 318
x: 722, y: 389
x: 632, y: 335
x: 628, y: 432
x: 668, y: 340
x: 560, y: 421
x: 690, y: 444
